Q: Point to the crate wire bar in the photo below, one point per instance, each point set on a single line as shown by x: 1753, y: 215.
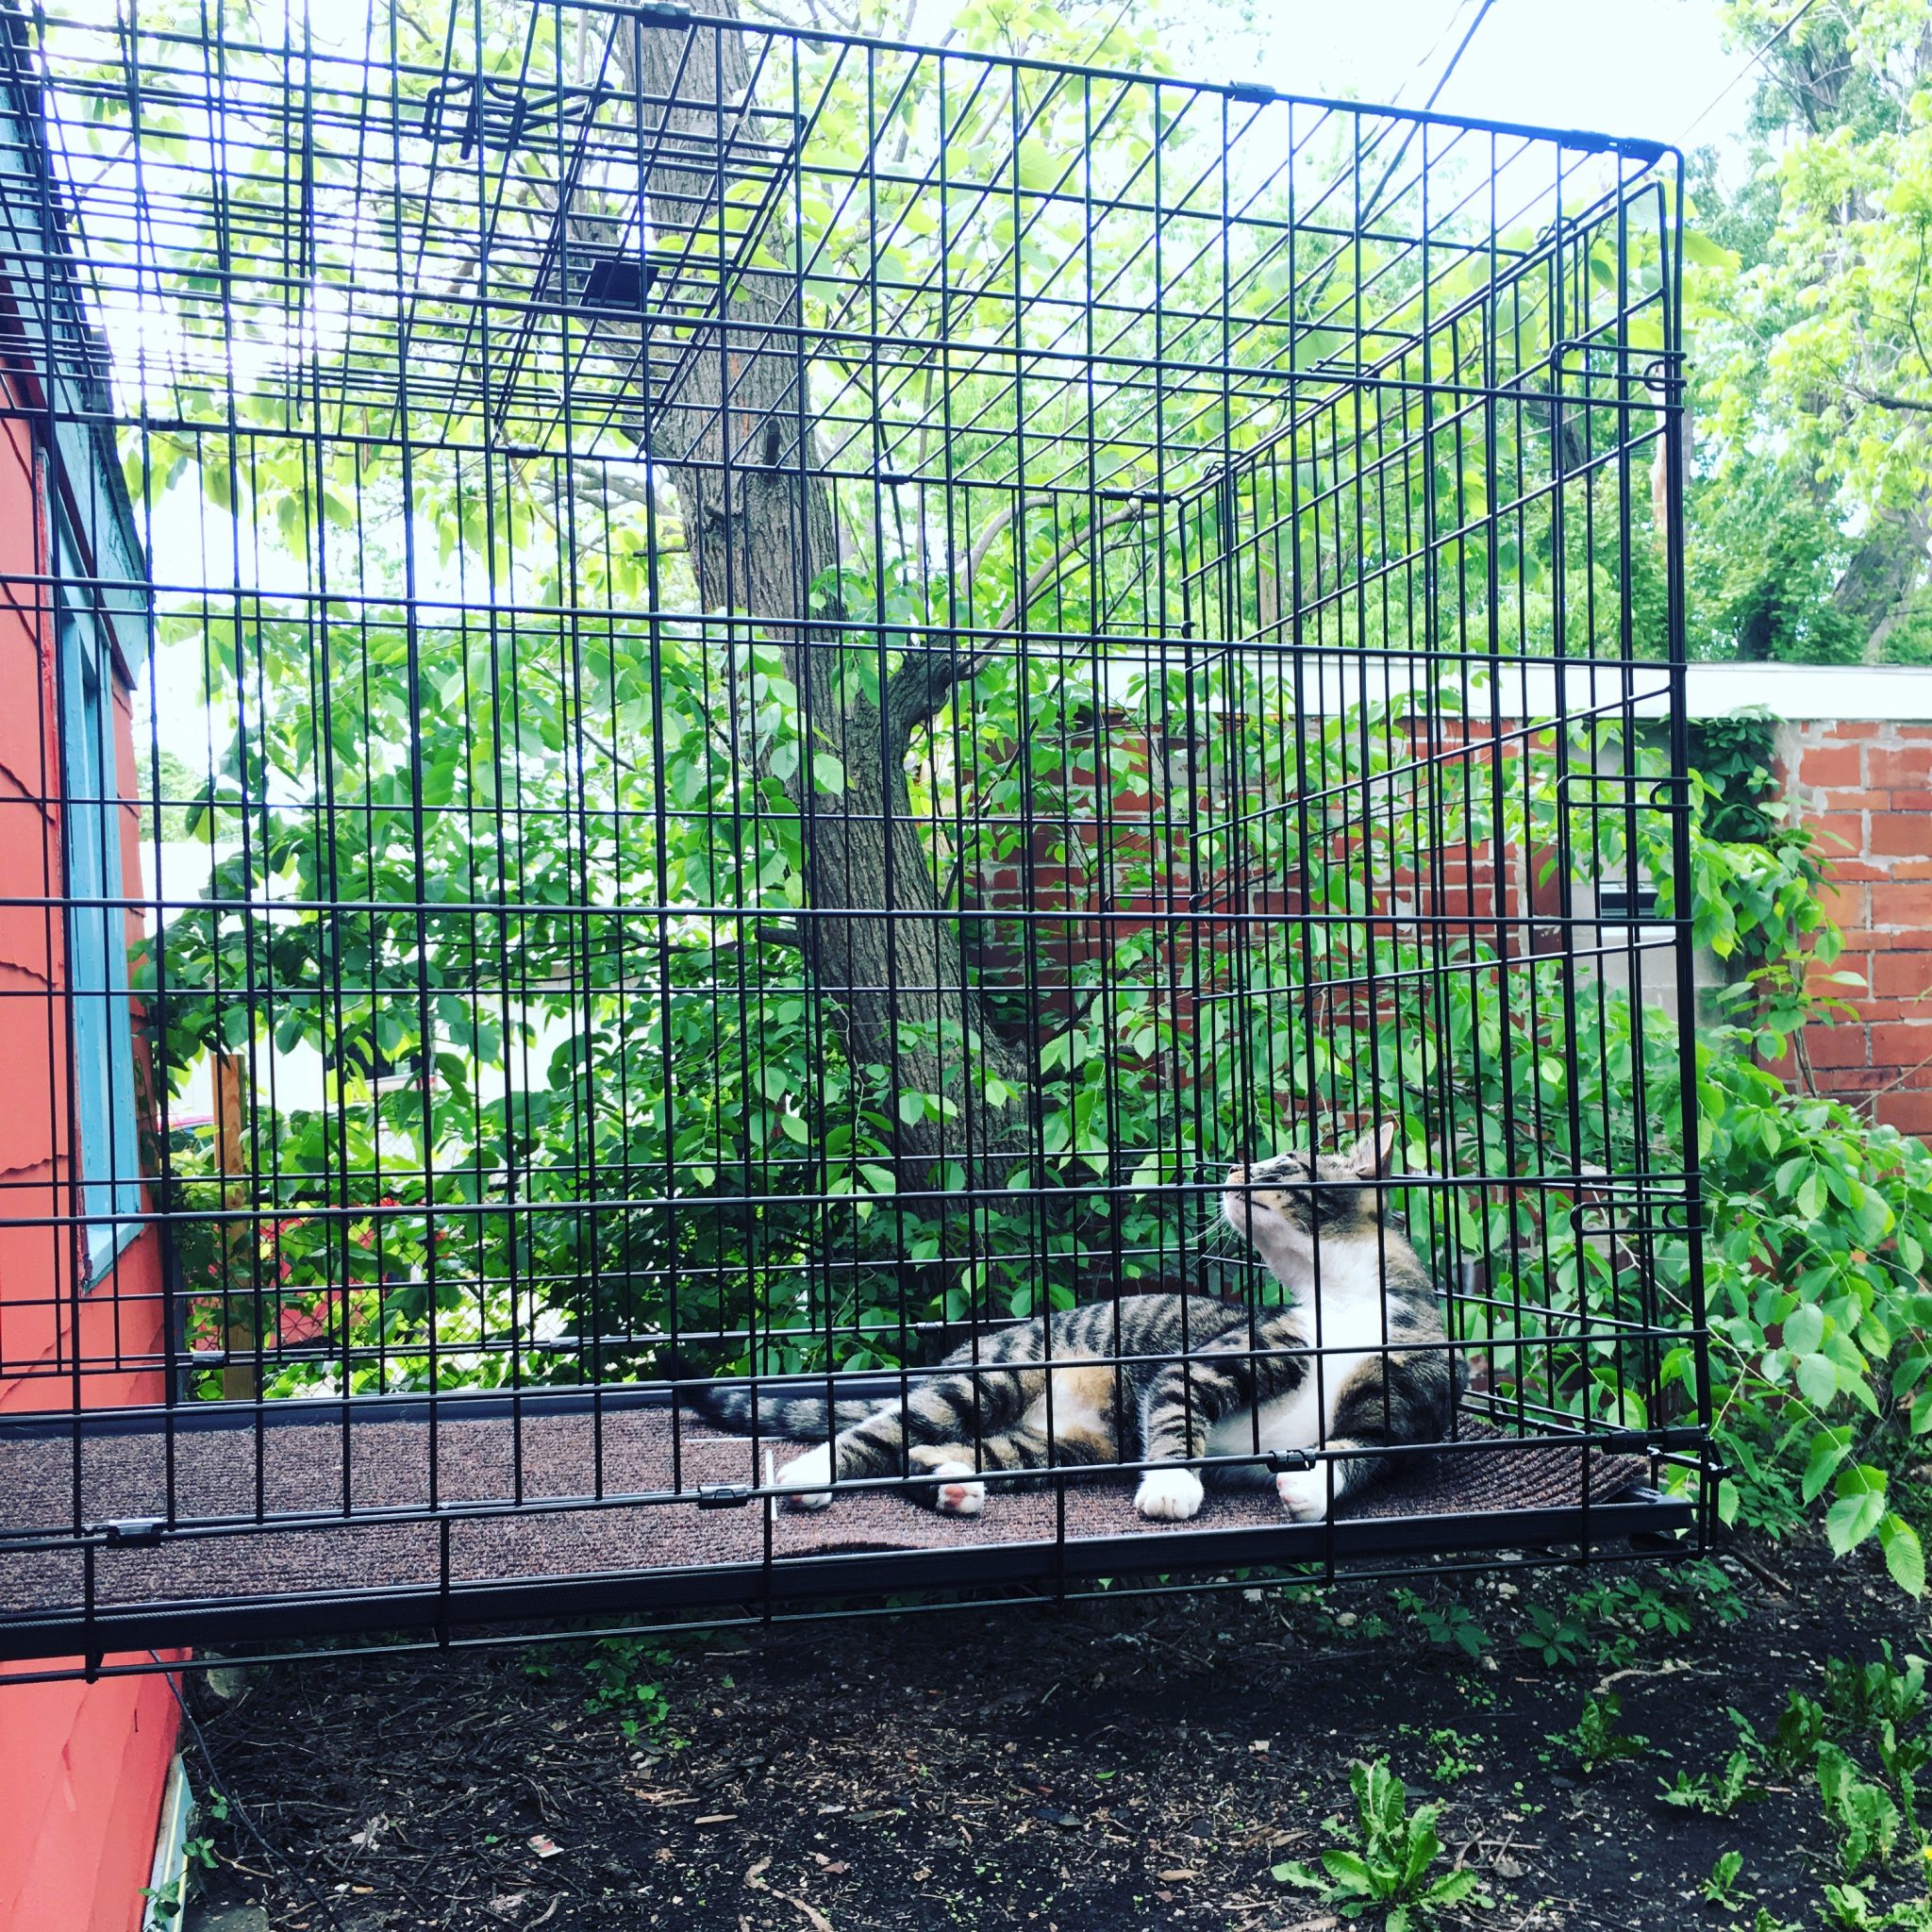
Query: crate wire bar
x: 784, y: 689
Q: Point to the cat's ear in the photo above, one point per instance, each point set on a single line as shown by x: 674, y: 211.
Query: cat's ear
x: 1372, y: 1154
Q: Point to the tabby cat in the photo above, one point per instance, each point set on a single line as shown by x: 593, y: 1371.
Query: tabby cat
x: 1108, y: 1382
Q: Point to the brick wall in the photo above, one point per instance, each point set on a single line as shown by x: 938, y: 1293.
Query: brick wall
x: 1868, y: 784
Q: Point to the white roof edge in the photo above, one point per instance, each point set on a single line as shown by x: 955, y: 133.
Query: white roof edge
x: 1516, y: 689
x: 1807, y: 693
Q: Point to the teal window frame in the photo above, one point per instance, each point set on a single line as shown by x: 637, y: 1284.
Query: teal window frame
x: 100, y: 1003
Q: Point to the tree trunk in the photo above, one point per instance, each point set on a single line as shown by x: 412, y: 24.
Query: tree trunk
x: 1882, y: 575
x: 734, y: 434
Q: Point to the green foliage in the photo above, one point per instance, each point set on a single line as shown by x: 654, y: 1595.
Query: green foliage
x: 1384, y: 1866
x: 1866, y: 1696
x: 1802, y: 1727
x: 623, y: 1673
x: 1595, y: 1740
x: 1733, y: 759
x: 1557, y: 1638
x: 1807, y: 304
x: 1853, y: 1910
x: 1447, y: 1626
x: 1861, y: 1813
x: 1454, y: 1761
x: 1720, y: 1887
x: 1714, y: 1796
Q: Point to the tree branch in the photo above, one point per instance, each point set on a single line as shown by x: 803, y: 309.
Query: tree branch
x: 925, y: 681
x: 1888, y: 399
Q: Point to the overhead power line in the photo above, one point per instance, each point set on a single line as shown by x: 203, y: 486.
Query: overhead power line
x: 1723, y: 92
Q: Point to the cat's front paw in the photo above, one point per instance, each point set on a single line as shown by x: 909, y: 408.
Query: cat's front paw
x: 1174, y: 1494
x: 805, y: 1476
x: 1304, y: 1492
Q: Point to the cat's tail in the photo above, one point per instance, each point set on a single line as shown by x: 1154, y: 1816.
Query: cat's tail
x: 802, y: 1417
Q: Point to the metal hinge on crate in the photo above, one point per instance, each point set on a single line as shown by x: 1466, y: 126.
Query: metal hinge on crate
x: 133, y: 1533
x: 1650, y: 1441
x: 723, y: 1495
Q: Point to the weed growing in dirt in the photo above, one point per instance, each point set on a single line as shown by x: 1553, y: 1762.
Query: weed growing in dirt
x: 1595, y: 1741
x: 1720, y: 1887
x: 623, y: 1673
x: 1852, y: 1910
x: 1860, y: 1813
x: 1862, y: 1697
x: 1557, y: 1639
x: 1454, y: 1761
x: 1448, y: 1627
x: 1386, y: 1867
x: 1718, y: 1796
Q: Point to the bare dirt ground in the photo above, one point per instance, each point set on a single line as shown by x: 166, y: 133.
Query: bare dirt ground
x: 1125, y: 1764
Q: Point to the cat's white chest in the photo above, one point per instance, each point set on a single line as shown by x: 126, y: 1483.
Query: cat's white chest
x: 1352, y: 1333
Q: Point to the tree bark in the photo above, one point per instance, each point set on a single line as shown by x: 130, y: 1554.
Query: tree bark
x: 734, y: 435
x: 1882, y: 575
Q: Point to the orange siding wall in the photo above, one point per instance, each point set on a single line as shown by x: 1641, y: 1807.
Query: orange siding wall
x: 82, y: 1767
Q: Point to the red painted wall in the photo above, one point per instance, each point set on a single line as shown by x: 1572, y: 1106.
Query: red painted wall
x: 82, y: 1767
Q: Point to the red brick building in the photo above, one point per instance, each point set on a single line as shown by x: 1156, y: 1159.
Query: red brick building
x: 1855, y: 753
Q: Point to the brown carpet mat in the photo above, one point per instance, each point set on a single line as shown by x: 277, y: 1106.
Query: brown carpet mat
x: 378, y: 1463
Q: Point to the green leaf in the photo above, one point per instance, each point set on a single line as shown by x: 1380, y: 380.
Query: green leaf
x: 1804, y: 1329
x: 1904, y: 1556
x: 1298, y: 1873
x: 1829, y: 1448
x: 1817, y: 1379
x: 1350, y: 1870
x: 879, y: 1179
x: 1854, y: 1515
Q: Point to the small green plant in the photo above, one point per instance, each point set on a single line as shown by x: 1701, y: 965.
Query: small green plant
x: 1720, y: 1887
x: 1852, y: 1910
x: 1863, y: 1696
x: 623, y: 1672
x: 1448, y: 1627
x: 1715, y: 1797
x: 1802, y: 1727
x: 1387, y: 1867
x: 1595, y: 1741
x: 1861, y: 1812
x: 1556, y: 1639
x: 1454, y: 1761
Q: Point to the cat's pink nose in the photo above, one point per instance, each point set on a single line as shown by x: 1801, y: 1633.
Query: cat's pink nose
x: 1236, y: 1175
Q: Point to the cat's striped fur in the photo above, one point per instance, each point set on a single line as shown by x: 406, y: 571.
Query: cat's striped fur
x: 1357, y: 1361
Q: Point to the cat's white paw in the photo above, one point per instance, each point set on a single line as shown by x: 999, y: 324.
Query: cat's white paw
x: 956, y: 1497
x: 1304, y: 1492
x: 1173, y: 1493
x: 807, y: 1474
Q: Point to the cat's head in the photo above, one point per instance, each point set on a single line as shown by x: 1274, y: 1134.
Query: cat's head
x: 1286, y: 1193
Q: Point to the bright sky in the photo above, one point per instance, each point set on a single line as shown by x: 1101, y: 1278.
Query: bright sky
x: 1636, y: 67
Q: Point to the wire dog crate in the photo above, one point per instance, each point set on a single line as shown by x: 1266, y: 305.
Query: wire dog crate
x: 785, y: 690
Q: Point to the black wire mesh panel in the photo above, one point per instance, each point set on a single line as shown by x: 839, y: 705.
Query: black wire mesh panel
x: 787, y: 690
